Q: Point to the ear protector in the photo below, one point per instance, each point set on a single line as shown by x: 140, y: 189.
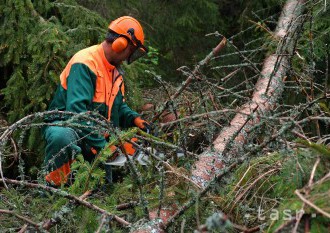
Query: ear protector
x: 119, y: 44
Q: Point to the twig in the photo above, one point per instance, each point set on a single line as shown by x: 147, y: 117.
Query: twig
x: 310, y: 183
x: 103, y: 221
x: 255, y: 68
x: 161, y: 143
x: 128, y: 205
x: 324, y: 178
x: 183, y: 223
x: 228, y: 76
x: 15, y: 154
x: 197, y: 215
x: 25, y: 219
x: 183, y: 176
x: 280, y: 132
x: 23, y: 229
x: 202, y: 115
x: 245, y: 229
x: 205, y: 61
x: 285, y: 224
x: 213, y: 102
x: 300, y: 135
x: 49, y: 223
x: 242, y: 178
x: 311, y: 68
x: 312, y: 204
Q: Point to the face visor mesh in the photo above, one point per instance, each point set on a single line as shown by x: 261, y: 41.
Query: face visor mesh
x: 138, y: 52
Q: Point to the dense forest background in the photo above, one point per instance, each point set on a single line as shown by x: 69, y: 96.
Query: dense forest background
x: 288, y: 149
x: 52, y: 31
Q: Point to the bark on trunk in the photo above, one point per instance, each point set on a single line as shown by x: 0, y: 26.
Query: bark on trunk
x: 268, y: 90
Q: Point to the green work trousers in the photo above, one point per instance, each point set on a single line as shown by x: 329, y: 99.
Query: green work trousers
x: 63, y: 145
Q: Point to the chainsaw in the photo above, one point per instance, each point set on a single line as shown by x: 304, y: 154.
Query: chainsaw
x: 133, y: 152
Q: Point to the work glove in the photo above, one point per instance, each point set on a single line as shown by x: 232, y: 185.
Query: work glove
x: 142, y: 124
x: 106, y: 136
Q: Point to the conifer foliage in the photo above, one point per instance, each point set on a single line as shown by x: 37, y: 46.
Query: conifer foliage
x: 37, y: 39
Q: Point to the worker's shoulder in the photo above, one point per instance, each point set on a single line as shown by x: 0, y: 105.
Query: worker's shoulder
x: 87, y: 56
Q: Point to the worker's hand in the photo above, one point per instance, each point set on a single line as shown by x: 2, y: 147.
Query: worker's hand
x: 142, y: 124
x: 106, y: 136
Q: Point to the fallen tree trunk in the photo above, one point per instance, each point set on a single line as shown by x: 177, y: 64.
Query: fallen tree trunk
x: 267, y: 91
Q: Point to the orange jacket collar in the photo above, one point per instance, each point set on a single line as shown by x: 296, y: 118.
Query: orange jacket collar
x: 100, y: 50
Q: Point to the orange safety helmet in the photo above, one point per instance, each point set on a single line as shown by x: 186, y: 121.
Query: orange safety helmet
x: 128, y: 30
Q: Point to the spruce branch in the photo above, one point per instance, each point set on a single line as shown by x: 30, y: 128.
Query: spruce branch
x: 57, y: 216
x: 68, y: 196
x: 25, y: 219
x: 169, y: 168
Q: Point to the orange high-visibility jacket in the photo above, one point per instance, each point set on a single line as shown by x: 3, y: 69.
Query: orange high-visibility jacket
x: 90, y: 83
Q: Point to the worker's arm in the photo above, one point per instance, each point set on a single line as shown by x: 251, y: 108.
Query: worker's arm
x: 129, y: 118
x: 126, y: 114
x: 80, y: 92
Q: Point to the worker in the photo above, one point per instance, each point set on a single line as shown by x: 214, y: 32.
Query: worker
x: 93, y: 81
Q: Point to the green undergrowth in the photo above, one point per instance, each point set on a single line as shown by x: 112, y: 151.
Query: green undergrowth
x: 260, y: 192
x: 91, y: 176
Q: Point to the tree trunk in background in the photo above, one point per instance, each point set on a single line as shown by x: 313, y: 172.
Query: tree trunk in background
x: 268, y: 90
